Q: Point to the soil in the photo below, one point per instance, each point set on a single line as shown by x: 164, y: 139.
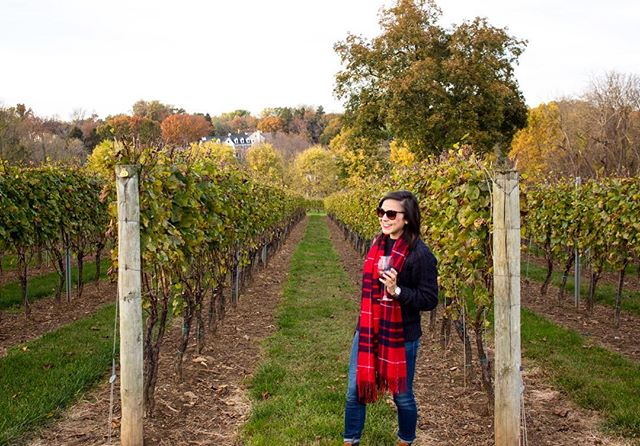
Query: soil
x: 454, y: 412
x: 211, y: 403
x: 47, y: 314
x: 597, y: 327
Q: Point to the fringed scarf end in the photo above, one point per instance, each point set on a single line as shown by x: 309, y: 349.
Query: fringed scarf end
x: 394, y: 385
x: 367, y: 393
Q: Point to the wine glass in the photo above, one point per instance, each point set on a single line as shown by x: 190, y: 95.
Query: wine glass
x: 384, y: 265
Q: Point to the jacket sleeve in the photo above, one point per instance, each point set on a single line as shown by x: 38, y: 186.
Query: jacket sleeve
x: 422, y: 293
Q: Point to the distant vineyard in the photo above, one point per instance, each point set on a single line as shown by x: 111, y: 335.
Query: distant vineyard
x: 51, y: 209
x: 601, y: 219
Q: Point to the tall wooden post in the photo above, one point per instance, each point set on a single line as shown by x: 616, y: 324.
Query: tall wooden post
x: 506, y: 270
x: 130, y: 301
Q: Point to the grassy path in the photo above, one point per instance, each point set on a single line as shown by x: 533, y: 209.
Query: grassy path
x: 39, y: 378
x: 299, y: 388
x: 43, y: 286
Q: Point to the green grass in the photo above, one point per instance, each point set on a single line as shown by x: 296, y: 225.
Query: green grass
x: 593, y: 377
x: 299, y: 388
x: 45, y: 285
x: 605, y: 293
x: 9, y: 262
x: 40, y: 378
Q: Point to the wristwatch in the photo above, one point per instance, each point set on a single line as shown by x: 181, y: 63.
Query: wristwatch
x: 396, y: 292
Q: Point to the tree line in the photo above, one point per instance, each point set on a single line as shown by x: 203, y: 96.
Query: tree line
x: 28, y: 139
x: 410, y: 93
x: 595, y: 135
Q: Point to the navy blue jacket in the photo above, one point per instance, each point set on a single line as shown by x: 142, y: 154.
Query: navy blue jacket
x: 418, y: 282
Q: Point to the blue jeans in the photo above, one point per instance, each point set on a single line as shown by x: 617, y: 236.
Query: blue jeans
x: 355, y: 412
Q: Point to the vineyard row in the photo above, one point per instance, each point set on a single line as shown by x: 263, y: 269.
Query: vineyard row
x: 600, y: 218
x: 204, y: 228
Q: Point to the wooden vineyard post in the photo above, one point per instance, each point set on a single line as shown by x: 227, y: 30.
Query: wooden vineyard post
x: 130, y: 301
x: 506, y: 271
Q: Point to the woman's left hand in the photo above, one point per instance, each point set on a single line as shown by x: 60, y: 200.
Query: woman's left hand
x: 389, y: 278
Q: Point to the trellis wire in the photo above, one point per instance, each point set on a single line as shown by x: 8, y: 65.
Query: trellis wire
x: 112, y: 378
x: 524, y: 441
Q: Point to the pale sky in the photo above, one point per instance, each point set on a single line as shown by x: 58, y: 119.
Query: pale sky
x: 213, y: 56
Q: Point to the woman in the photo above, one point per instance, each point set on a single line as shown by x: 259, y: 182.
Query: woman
x: 385, y: 345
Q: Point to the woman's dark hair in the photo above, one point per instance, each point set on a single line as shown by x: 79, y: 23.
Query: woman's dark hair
x: 411, y: 214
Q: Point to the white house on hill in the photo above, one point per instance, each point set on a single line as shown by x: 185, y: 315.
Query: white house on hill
x: 239, y: 141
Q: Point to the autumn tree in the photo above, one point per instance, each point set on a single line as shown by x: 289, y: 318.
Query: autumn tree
x: 130, y: 130
x: 266, y: 164
x: 270, y: 124
x: 289, y: 144
x: 10, y: 135
x: 429, y: 86
x: 284, y: 114
x: 44, y: 147
x: 357, y: 157
x: 236, y: 121
x: 101, y: 161
x: 614, y: 124
x: 400, y: 154
x: 89, y: 128
x: 28, y: 139
x: 315, y: 123
x: 182, y: 129
x: 334, y: 123
x: 536, y: 149
x: 223, y: 153
x: 594, y: 135
x: 315, y: 173
x: 304, y: 120
x: 154, y: 110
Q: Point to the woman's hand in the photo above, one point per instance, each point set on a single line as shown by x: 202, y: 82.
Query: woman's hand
x: 389, y: 278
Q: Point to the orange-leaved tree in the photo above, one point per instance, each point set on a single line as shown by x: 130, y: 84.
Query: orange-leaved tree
x: 182, y: 129
x: 130, y: 130
x: 270, y: 124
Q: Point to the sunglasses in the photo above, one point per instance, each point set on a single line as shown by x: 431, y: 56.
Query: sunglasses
x: 391, y: 215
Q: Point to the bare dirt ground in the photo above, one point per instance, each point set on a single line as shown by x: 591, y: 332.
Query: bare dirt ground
x: 452, y: 413
x: 47, y: 314
x: 211, y: 404
x: 598, y: 326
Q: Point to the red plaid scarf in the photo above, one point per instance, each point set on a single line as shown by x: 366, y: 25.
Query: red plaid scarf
x: 381, y: 354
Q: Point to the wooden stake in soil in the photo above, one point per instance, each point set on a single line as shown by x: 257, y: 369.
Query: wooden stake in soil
x: 130, y: 301
x: 506, y: 270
